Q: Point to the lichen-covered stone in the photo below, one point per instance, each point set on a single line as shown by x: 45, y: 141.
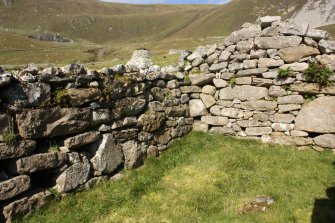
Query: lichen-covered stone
x: 14, y: 186
x: 20, y: 148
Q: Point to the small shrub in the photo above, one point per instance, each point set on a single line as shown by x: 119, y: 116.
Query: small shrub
x: 53, y: 147
x: 232, y: 81
x: 187, y: 78
x: 318, y: 73
x: 9, y: 136
x: 284, y: 73
x: 286, y: 87
x: 60, y: 97
x: 309, y: 98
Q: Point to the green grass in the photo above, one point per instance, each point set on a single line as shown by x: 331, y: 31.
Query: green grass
x: 205, y: 178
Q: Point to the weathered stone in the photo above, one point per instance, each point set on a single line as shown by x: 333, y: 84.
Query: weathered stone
x: 81, y: 140
x: 219, y: 83
x: 289, y: 107
x: 250, y: 64
x: 209, y: 89
x: 259, y: 105
x: 313, y: 89
x: 294, y: 29
x: 125, y: 135
x: 283, y: 81
x: 248, y: 123
x: 277, y: 91
x: 250, y: 72
x: 317, y: 34
x: 245, y: 46
x: 37, y: 162
x: 299, y: 67
x: 282, y: 127
x: 243, y: 34
x: 215, y: 110
x: 26, y: 205
x: 270, y: 74
x: 290, y: 99
x: 298, y: 133
x: 224, y: 56
x: 327, y: 47
x: 267, y: 20
x: 210, y: 60
x: 107, y: 155
x: 235, y: 66
x: 208, y: 100
x: 21, y: 148
x: 214, y: 120
x: 21, y: 95
x: 243, y: 81
x: 258, y: 131
x: 140, y: 59
x: 232, y: 113
x: 129, y: 106
x: 223, y: 130
x: 277, y: 42
x: 326, y: 141
x: 201, y: 79
x: 310, y: 42
x: 294, y: 54
x: 157, y: 93
x: 79, y: 96
x: 177, y: 111
x: 51, y: 122
x: 243, y: 93
x: 190, y: 89
x: 256, y: 54
x: 151, y: 122
x: 200, y: 127
x: 269, y: 63
x: 133, y: 154
x: 73, y: 176
x: 317, y: 116
x: 101, y: 116
x: 261, y: 82
x: 281, y: 118
x: 218, y: 67
x: 5, y: 79
x: 14, y: 186
x: 261, y: 117
x: 290, y: 140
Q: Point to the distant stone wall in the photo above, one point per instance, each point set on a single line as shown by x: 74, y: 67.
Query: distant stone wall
x: 76, y: 127
x: 236, y: 88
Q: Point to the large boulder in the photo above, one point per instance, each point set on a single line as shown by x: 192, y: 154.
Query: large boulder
x: 14, y: 186
x: 277, y: 42
x: 73, y: 176
x: 243, y: 34
x: 51, y: 122
x: 20, y: 148
x: 243, y: 93
x: 107, y: 154
x: 294, y: 54
x: 37, y: 162
x: 317, y: 116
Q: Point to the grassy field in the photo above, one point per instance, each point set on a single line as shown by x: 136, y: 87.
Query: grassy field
x: 208, y: 178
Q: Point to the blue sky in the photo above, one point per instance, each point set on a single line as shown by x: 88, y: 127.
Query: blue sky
x: 170, y: 1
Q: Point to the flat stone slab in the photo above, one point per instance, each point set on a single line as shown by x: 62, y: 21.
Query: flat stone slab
x: 14, y: 186
x: 243, y: 93
x: 277, y: 42
x: 317, y: 116
x: 21, y: 148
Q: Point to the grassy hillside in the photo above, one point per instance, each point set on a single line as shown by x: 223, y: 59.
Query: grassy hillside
x: 99, y: 22
x: 208, y: 178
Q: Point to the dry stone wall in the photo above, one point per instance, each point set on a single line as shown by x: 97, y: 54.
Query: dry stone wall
x: 68, y: 128
x: 236, y: 86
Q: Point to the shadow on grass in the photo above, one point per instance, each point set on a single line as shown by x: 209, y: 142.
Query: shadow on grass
x: 324, y: 209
